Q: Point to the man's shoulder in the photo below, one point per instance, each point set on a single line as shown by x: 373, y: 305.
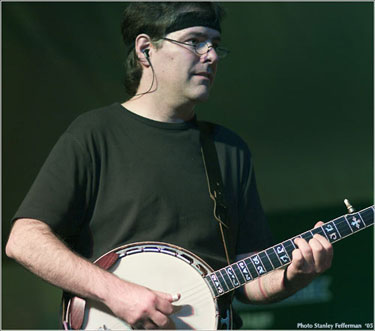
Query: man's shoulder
x: 96, y: 123
x: 96, y: 118
x: 226, y: 136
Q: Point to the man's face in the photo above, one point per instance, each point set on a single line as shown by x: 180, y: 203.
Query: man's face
x: 183, y: 75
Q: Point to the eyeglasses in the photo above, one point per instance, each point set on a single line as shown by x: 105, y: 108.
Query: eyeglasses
x: 203, y: 47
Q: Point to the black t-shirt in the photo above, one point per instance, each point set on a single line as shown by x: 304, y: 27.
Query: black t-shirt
x: 115, y: 178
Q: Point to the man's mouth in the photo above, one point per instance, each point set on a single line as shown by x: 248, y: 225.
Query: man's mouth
x: 205, y: 74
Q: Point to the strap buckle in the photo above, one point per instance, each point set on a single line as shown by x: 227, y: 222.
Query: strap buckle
x: 220, y: 212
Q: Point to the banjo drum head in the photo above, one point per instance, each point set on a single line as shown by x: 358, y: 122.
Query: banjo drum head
x: 168, y: 269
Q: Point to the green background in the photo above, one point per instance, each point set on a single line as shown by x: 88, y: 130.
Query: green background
x: 297, y: 86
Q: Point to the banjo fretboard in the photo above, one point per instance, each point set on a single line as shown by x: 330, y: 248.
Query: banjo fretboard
x: 277, y: 256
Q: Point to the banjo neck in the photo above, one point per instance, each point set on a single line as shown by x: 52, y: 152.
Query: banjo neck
x: 243, y: 271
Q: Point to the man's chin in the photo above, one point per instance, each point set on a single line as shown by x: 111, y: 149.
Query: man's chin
x: 202, y: 95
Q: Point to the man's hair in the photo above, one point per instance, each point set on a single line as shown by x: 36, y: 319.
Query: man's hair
x: 153, y: 19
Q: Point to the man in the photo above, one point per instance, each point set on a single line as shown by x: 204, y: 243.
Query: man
x: 134, y: 172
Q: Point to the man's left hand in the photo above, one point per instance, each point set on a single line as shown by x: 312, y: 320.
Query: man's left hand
x: 308, y: 261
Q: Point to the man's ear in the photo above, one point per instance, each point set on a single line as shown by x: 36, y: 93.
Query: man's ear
x: 143, y: 49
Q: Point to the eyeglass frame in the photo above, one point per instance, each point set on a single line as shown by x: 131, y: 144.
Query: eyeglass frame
x: 224, y: 52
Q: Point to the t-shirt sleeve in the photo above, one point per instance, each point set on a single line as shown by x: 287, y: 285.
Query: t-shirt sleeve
x: 254, y: 233
x: 60, y: 192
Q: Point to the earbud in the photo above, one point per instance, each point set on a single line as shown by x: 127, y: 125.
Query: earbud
x: 146, y: 53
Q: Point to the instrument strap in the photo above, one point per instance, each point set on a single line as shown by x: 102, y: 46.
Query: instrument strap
x: 214, y: 179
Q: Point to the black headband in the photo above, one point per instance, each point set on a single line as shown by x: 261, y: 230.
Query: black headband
x: 194, y: 18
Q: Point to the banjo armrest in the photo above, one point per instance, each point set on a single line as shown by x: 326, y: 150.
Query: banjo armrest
x: 78, y: 304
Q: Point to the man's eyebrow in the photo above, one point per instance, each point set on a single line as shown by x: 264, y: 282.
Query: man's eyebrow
x: 203, y: 35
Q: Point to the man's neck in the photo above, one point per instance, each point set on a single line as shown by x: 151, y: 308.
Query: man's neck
x: 159, y: 110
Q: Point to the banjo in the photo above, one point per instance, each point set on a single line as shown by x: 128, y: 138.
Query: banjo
x: 172, y: 269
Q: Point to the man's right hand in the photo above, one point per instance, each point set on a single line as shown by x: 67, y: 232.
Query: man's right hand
x: 139, y: 306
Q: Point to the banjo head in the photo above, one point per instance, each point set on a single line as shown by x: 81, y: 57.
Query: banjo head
x: 166, y: 268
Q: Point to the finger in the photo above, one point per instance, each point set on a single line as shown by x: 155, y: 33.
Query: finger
x: 170, y: 297
x: 324, y: 242
x: 297, y: 260
x: 320, y: 255
x: 139, y: 326
x: 306, y: 252
x: 160, y: 320
x: 318, y: 224
x: 323, y: 252
x: 149, y: 325
x: 164, y: 304
x: 326, y: 260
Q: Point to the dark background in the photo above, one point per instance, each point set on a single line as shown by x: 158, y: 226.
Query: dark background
x: 297, y: 86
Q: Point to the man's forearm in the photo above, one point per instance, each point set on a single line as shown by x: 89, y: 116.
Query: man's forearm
x: 32, y: 244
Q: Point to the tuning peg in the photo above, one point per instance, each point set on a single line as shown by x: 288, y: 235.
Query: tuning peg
x: 349, y: 206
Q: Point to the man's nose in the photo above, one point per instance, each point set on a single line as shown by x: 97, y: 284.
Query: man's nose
x: 210, y: 55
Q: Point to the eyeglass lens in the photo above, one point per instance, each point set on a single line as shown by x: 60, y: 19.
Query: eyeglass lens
x: 204, y: 47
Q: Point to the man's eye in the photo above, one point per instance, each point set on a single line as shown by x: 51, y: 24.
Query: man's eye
x: 192, y: 41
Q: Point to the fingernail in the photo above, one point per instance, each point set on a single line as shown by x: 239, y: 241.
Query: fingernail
x: 175, y: 297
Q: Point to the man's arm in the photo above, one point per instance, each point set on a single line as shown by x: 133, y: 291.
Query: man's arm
x: 33, y: 244
x: 308, y: 261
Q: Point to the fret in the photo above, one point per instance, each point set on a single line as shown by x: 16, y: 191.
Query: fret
x: 292, y: 240
x: 251, y: 268
x: 367, y: 216
x: 320, y: 231
x: 289, y: 247
x: 227, y: 279
x: 232, y: 276
x: 212, y: 286
x: 238, y: 273
x: 273, y: 258
x: 258, y: 264
x: 355, y: 222
x: 245, y: 271
x: 331, y: 231
x: 266, y: 262
x: 360, y: 216
x: 343, y: 227
x: 307, y: 235
x: 216, y: 283
x: 222, y: 281
x: 281, y: 253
